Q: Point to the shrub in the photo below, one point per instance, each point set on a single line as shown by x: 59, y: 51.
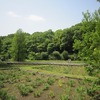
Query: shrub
x: 37, y: 93
x: 51, y: 57
x: 56, y: 55
x: 37, y: 82
x: 51, y: 94
x: 64, y: 55
x: 50, y: 80
x: 4, y: 96
x: 44, y: 56
x: 34, y: 85
x: 25, y: 89
x: 46, y: 86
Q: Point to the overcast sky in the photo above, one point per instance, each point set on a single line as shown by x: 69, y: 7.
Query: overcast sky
x: 41, y: 15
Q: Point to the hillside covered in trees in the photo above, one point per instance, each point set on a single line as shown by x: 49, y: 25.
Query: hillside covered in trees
x: 41, y: 45
x: 79, y: 42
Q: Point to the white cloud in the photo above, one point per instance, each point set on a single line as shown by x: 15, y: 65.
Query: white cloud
x: 13, y: 14
x: 35, y: 18
x: 27, y: 17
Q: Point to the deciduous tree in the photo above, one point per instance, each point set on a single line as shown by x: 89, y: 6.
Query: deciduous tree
x: 18, y: 46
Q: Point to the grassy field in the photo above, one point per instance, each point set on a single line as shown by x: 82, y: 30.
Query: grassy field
x: 44, y: 82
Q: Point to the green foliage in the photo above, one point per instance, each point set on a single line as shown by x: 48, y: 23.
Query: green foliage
x: 4, y: 95
x: 46, y: 86
x: 34, y: 73
x: 64, y: 97
x: 88, y: 46
x: 50, y: 80
x: 94, y: 91
x: 44, y: 55
x: 50, y: 48
x: 18, y: 46
x: 60, y: 83
x: 98, y: 0
x: 71, y: 83
x: 56, y: 55
x: 37, y: 82
x: 31, y: 56
x: 37, y: 94
x: 0, y: 46
x: 64, y: 55
x: 38, y: 56
x: 39, y: 45
x: 51, y: 94
x: 1, y: 84
x: 25, y: 89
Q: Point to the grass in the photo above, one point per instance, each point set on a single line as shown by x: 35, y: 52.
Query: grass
x: 74, y: 72
x: 45, y: 82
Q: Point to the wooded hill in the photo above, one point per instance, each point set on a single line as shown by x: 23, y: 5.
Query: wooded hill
x: 41, y: 45
x: 79, y: 42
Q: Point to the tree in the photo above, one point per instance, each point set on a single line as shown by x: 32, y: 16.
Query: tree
x: 89, y: 46
x: 18, y: 46
x: 50, y: 48
x: 98, y: 0
x: 0, y: 46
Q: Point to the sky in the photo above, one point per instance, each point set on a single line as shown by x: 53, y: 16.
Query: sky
x: 41, y: 15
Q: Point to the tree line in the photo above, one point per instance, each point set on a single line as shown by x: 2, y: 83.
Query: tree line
x: 40, y: 45
x: 79, y: 42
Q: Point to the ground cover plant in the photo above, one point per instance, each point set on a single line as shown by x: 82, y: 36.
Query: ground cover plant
x: 46, y: 82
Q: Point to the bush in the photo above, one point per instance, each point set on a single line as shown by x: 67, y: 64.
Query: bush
x: 51, y: 94
x: 64, y: 55
x: 37, y: 82
x: 44, y: 56
x: 4, y: 96
x: 51, y: 57
x: 46, y: 86
x: 56, y: 55
x: 50, y: 81
x: 37, y: 93
x: 25, y: 89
